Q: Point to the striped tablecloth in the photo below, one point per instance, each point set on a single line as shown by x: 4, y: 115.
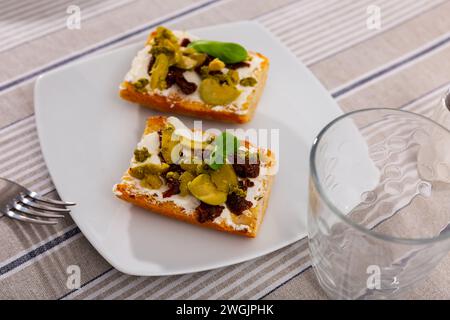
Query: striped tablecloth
x: 403, y: 64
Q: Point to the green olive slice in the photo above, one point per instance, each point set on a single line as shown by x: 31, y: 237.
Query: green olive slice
x: 214, y: 93
x: 204, y: 190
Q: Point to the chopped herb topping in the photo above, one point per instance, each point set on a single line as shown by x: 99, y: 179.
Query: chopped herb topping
x: 257, y: 198
x: 248, y: 82
x: 141, y: 154
x: 238, y: 191
x: 140, y: 85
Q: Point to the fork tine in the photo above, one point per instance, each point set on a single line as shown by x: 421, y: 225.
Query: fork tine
x: 16, y: 216
x: 23, y: 209
x: 34, y: 205
x: 38, y: 197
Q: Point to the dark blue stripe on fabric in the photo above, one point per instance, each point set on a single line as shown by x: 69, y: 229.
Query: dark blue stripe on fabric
x: 38, y: 251
x: 86, y: 283
x: 284, y: 282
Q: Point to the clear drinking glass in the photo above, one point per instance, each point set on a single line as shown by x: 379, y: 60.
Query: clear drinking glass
x: 379, y: 203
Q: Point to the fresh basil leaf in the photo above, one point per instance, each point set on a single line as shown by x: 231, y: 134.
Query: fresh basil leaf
x: 227, y: 52
x: 225, y: 145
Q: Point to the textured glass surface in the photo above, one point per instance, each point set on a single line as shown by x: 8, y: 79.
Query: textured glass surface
x: 379, y: 206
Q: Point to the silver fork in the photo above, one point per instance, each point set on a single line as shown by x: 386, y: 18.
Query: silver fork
x: 19, y: 203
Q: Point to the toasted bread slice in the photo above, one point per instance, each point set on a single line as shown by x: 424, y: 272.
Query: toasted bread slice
x: 175, y: 101
x: 185, y: 207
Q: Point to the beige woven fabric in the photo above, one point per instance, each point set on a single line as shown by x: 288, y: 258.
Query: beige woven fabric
x: 405, y: 64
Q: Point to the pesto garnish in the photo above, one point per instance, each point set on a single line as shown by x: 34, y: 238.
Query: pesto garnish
x: 231, y: 77
x: 140, y: 172
x: 234, y: 76
x: 204, y: 72
x: 248, y: 82
x: 161, y: 50
x: 238, y: 191
x: 141, y: 154
x: 166, y: 52
x: 140, y: 85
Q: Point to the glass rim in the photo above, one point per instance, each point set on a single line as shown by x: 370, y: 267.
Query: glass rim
x: 318, y: 186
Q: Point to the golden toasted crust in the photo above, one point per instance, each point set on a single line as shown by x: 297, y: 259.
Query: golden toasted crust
x: 179, y: 105
x: 131, y: 194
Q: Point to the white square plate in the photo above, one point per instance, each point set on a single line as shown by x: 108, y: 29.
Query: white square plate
x: 88, y: 135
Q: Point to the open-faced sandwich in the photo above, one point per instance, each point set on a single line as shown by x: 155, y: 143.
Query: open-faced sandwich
x: 179, y: 73
x: 213, y: 180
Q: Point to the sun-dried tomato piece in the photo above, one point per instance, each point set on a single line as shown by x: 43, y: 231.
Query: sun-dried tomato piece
x: 185, y: 42
x: 175, y: 75
x: 174, y: 188
x: 245, y: 168
x: 206, y: 212
x: 238, y: 204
